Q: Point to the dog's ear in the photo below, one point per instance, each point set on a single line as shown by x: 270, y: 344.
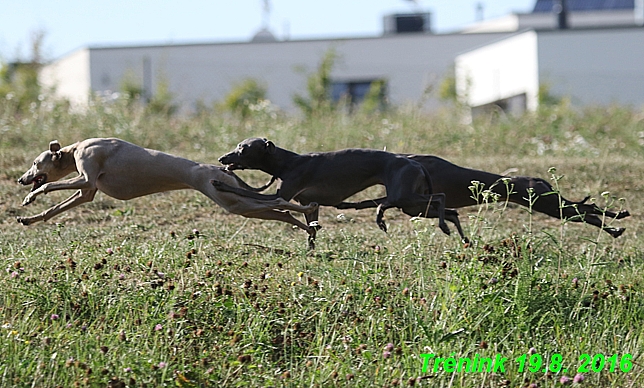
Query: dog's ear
x: 54, y: 148
x: 270, y: 147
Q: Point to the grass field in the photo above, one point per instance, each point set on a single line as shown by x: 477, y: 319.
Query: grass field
x: 170, y: 290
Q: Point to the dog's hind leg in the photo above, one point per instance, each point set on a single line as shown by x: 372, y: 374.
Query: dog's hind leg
x: 451, y: 215
x: 284, y: 216
x: 439, y: 199
x: 599, y: 222
x: 369, y: 203
x: 380, y: 214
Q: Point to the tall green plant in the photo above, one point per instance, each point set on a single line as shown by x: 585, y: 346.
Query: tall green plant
x: 318, y: 87
x: 243, y: 95
x: 19, y: 80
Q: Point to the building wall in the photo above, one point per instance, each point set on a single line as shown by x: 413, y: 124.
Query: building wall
x: 499, y: 71
x: 595, y: 66
x: 206, y: 72
x: 70, y: 76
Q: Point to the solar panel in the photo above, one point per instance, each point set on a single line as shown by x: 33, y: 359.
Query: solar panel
x: 585, y: 5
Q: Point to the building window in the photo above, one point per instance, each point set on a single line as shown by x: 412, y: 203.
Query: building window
x: 354, y: 92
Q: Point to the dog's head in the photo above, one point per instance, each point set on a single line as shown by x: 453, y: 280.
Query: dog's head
x: 250, y: 153
x: 46, y: 168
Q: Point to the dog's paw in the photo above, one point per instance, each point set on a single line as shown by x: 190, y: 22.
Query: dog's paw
x: 623, y: 214
x: 615, y: 232
x: 23, y: 220
x: 28, y: 199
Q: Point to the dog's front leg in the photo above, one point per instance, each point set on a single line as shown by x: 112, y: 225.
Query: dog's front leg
x: 78, y: 198
x: 77, y: 183
x: 31, y: 197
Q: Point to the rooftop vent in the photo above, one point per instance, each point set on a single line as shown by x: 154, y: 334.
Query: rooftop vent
x: 407, y: 23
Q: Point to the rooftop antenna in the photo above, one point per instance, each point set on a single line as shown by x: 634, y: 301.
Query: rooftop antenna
x: 264, y: 34
x: 266, y: 14
x: 480, y: 8
x: 415, y: 3
x: 559, y: 8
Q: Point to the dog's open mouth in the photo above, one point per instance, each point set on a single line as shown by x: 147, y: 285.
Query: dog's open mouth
x: 39, y: 181
x: 234, y: 166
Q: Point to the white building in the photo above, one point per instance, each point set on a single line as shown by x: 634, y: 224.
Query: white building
x: 596, y: 60
x: 409, y: 63
x: 590, y: 66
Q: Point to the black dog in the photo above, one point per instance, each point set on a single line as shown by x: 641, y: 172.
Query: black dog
x: 328, y: 178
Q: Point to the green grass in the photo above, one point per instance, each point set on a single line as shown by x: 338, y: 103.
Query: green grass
x: 170, y: 290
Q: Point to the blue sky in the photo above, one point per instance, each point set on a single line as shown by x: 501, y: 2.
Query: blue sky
x: 71, y: 24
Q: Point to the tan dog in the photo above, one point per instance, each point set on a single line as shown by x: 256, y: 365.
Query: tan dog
x: 124, y: 171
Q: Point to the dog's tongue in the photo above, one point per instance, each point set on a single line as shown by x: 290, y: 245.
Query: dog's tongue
x: 36, y: 182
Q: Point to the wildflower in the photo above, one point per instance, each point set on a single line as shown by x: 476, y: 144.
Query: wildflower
x: 389, y: 347
x: 578, y: 378
x: 121, y: 276
x: 162, y: 365
x: 564, y: 380
x: 158, y: 327
x: 532, y: 351
x: 54, y: 317
x: 14, y: 275
x: 109, y: 251
x: 493, y: 281
x: 386, y: 354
